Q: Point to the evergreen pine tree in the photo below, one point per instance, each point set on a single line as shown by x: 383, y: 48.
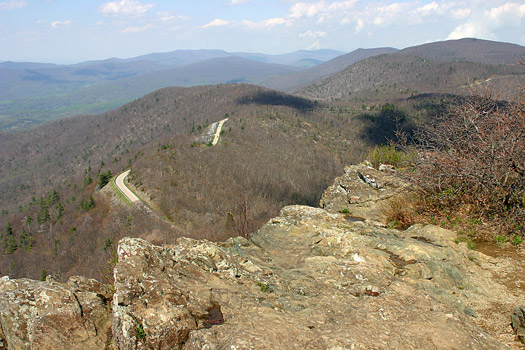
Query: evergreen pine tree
x: 60, y: 210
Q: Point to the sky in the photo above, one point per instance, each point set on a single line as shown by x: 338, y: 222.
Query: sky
x: 71, y: 31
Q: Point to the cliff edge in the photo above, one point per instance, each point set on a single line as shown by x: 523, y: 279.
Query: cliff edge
x: 311, y: 278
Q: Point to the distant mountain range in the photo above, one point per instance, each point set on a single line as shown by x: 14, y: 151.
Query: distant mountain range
x: 297, y: 79
x: 180, y: 58
x: 29, y: 79
x: 33, y: 93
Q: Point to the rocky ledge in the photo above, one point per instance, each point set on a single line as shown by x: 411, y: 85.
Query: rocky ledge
x: 310, y: 278
x: 52, y: 315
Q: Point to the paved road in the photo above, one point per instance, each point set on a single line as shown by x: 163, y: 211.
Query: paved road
x: 124, y: 189
x: 119, y: 181
x: 218, y: 132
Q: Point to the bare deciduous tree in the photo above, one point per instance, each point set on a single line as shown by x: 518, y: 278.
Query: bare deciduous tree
x: 475, y: 155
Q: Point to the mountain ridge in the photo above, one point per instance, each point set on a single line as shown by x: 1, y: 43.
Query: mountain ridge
x: 420, y: 69
x: 295, y: 80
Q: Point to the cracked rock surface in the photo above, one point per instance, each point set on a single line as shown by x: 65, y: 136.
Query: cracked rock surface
x: 308, y: 279
x: 53, y: 315
x: 360, y: 190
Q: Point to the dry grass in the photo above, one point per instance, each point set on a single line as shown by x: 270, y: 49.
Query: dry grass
x: 403, y: 211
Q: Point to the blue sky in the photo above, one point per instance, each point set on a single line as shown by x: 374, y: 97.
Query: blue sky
x: 68, y: 31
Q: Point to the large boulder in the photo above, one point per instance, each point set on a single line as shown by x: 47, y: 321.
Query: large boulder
x: 309, y: 279
x: 362, y: 192
x: 53, y: 315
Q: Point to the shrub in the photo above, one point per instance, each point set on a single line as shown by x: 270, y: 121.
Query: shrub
x: 389, y: 155
x: 473, y: 156
x: 141, y: 334
x: 500, y: 239
x: 400, y: 212
x: 516, y: 240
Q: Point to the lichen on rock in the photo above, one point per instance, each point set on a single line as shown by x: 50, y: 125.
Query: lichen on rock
x: 53, y: 315
x: 518, y: 323
x: 308, y: 279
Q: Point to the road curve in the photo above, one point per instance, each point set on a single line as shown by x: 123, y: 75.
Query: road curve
x: 218, y: 132
x: 132, y: 197
x: 119, y: 181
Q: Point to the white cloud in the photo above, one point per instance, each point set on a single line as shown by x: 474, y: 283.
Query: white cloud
x: 131, y: 8
x: 483, y: 24
x: 509, y: 13
x: 167, y: 17
x: 321, y: 9
x: 461, y: 13
x: 469, y: 30
x: 61, y: 24
x: 137, y: 29
x: 238, y: 2
x: 428, y: 9
x: 389, y: 14
x: 266, y: 24
x: 312, y: 34
x: 315, y: 46
x: 359, y: 25
x: 13, y: 4
x: 269, y: 23
x: 216, y: 23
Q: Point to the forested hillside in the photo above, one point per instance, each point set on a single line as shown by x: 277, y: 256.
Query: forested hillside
x: 276, y: 149
x: 445, y: 67
x: 295, y: 80
x: 388, y: 77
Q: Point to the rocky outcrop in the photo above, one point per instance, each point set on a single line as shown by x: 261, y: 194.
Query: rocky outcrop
x: 53, y: 315
x: 361, y: 190
x: 518, y: 323
x: 311, y: 278
x: 308, y: 279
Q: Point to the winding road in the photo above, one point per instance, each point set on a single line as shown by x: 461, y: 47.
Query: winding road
x: 132, y: 197
x: 119, y: 181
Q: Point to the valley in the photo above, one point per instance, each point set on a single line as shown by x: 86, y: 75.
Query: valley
x: 204, y: 148
x: 276, y: 148
x: 32, y: 93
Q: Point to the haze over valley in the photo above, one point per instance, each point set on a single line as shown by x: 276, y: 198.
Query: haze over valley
x: 373, y: 156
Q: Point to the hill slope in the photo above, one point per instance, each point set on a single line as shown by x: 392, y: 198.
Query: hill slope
x: 401, y: 76
x: 469, y: 50
x: 276, y: 149
x: 450, y: 67
x: 297, y: 79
